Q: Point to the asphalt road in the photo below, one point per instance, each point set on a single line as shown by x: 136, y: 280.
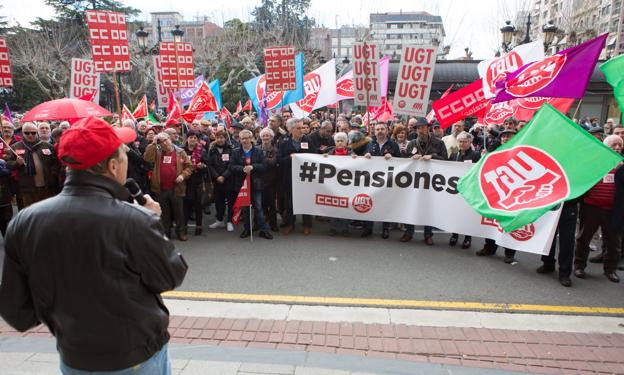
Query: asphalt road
x: 322, y: 266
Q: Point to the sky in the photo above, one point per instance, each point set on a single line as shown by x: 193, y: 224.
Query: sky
x: 473, y: 24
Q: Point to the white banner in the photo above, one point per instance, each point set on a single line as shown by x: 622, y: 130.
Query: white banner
x: 414, y: 79
x: 84, y: 79
x: 161, y: 91
x: 366, y: 75
x: 495, y: 69
x: 320, y: 90
x: 404, y: 191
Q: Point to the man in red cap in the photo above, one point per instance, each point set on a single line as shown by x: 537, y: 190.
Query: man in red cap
x: 90, y: 265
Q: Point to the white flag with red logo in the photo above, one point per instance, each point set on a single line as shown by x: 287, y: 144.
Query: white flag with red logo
x: 242, y: 200
x: 496, y: 69
x: 320, y: 90
x: 344, y: 86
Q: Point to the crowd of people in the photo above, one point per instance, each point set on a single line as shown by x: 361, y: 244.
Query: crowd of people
x: 195, y: 169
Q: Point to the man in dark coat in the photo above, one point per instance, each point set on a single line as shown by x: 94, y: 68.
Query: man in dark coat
x: 249, y: 160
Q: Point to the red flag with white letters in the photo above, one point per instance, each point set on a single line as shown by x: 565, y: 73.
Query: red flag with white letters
x: 242, y: 200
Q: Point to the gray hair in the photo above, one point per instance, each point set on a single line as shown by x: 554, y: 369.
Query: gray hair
x: 29, y: 124
x: 327, y: 123
x: 267, y: 131
x: 341, y: 136
x: 245, y: 132
x: 610, y: 139
x: 465, y: 135
x: 291, y: 122
x: 43, y: 123
x: 128, y: 123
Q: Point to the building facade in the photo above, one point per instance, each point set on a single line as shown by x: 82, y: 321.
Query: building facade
x: 342, y: 40
x: 392, y: 31
x: 168, y: 20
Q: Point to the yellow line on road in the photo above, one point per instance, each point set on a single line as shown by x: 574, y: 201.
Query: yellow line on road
x: 378, y: 302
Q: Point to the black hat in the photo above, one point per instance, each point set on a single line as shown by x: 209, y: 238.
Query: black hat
x: 237, y: 125
x: 508, y: 131
x: 421, y: 121
x: 596, y: 130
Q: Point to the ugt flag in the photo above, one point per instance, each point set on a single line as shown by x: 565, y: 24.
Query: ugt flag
x: 530, y: 174
x: 563, y: 75
x: 256, y: 86
x: 614, y: 73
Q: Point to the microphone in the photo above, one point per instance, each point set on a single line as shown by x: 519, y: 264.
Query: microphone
x: 135, y: 191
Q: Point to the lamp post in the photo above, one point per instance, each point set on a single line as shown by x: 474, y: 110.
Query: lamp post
x: 508, y: 31
x: 177, y: 34
x: 549, y: 30
x: 142, y: 37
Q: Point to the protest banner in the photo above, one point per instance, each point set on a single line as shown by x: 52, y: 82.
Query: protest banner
x: 84, y: 79
x: 411, y: 96
x: 176, y: 64
x: 279, y: 63
x: 467, y: 101
x: 6, y: 79
x: 162, y: 96
x: 495, y: 69
x: 404, y: 191
x: 109, y: 41
x: 366, y: 75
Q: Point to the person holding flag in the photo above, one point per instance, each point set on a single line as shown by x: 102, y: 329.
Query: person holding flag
x: 249, y: 160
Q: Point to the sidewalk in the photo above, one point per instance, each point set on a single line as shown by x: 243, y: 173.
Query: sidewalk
x: 409, y: 341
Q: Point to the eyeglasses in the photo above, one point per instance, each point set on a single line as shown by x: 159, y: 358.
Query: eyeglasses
x: 30, y: 133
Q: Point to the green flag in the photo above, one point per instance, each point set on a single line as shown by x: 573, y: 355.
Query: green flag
x: 550, y: 160
x: 151, y: 119
x: 613, y: 70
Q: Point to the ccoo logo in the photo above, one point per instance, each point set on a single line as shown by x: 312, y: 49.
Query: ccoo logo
x: 522, y: 177
x: 536, y: 76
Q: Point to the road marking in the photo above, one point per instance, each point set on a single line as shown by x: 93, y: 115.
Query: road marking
x: 379, y: 302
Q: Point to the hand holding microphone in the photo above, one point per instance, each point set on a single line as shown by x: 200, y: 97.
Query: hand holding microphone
x: 143, y: 199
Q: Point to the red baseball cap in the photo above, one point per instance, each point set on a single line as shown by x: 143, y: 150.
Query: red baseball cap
x: 91, y: 140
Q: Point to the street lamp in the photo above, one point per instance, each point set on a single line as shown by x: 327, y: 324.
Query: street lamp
x: 508, y: 31
x: 142, y: 37
x: 346, y: 60
x: 177, y: 34
x: 549, y: 30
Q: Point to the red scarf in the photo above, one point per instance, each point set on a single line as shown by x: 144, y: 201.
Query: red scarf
x: 196, y: 156
x: 340, y: 151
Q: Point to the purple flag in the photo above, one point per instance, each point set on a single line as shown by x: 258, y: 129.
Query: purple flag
x: 7, y: 112
x: 564, y: 75
x: 263, y: 116
x: 186, y: 95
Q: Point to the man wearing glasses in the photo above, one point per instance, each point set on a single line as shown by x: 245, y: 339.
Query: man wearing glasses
x: 36, y: 164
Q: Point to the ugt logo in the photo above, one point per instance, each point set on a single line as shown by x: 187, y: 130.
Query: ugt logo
x: 522, y: 177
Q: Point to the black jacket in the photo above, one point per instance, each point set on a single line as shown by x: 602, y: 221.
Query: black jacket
x: 317, y: 142
x: 138, y: 167
x: 433, y: 146
x: 288, y: 147
x: 471, y: 155
x: 91, y: 267
x: 219, y: 166
x: 618, y: 206
x: 257, y: 174
x: 390, y: 147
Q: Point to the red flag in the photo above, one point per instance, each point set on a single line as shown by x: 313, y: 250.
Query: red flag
x: 247, y: 106
x: 465, y: 102
x: 152, y: 106
x: 204, y: 100
x: 522, y: 109
x: 431, y: 115
x: 174, y: 112
x: 141, y: 109
x: 239, y: 107
x: 242, y: 200
x: 126, y: 114
x: 226, y: 116
x: 89, y: 97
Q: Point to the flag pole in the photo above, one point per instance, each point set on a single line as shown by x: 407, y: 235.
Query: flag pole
x: 250, y: 221
x: 577, y: 108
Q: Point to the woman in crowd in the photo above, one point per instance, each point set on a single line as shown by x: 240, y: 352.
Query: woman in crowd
x: 466, y: 155
x: 336, y: 224
x: 399, y: 134
x: 269, y: 193
x: 218, y: 164
x: 199, y: 161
